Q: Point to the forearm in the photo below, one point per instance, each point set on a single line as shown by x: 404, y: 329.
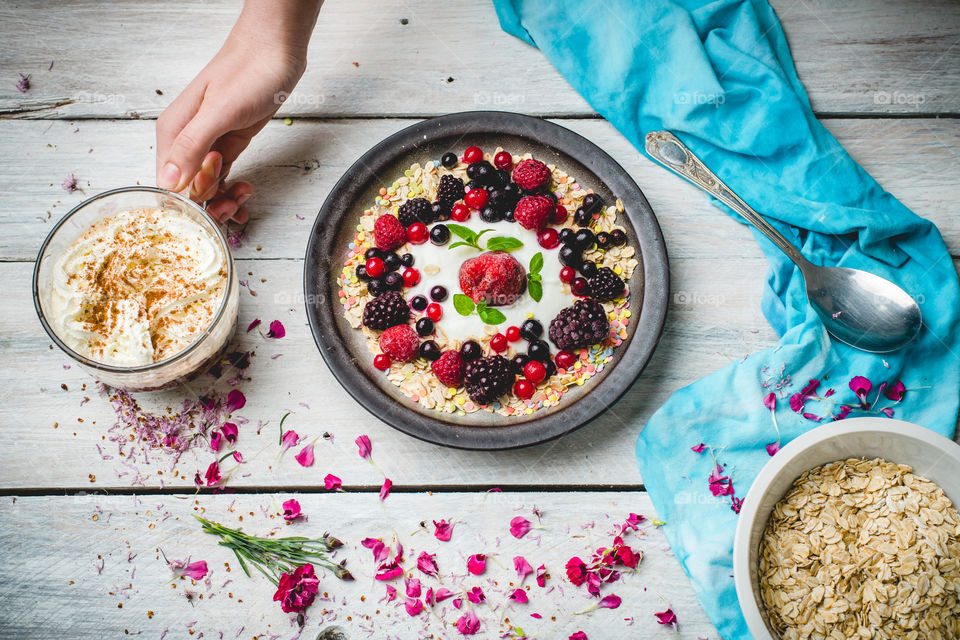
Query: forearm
x: 284, y: 26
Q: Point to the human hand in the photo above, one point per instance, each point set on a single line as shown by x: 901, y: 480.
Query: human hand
x: 212, y: 121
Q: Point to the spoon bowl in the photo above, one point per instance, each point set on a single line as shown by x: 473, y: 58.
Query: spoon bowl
x: 858, y: 308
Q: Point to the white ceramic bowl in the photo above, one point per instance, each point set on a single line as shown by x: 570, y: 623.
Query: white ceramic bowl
x: 931, y: 455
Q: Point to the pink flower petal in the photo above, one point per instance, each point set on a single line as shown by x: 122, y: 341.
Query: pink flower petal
x: 235, y: 400
x: 523, y: 567
x: 385, y: 489
x: 829, y: 393
x: 391, y: 593
x: 812, y: 416
x: 773, y: 447
x: 297, y: 590
x: 634, y: 519
x: 413, y: 587
x: 860, y: 386
x: 229, y: 431
x: 770, y: 401
x: 213, y: 474
x: 305, y: 457
x: 668, y: 618
x: 887, y: 411
x: 475, y: 595
x: 289, y: 439
x: 477, y: 564
x: 541, y: 576
x: 520, y: 596
x: 216, y: 440
x: 519, y: 527
x: 253, y: 325
x: 276, y: 330
x: 442, y: 594
x: 238, y: 456
x: 843, y: 413
x: 609, y: 602
x: 195, y: 570
x: 414, y: 607
x: 291, y: 509
x: 389, y: 573
x: 468, y: 624
x: 698, y: 448
x: 442, y: 530
x: 896, y: 392
x: 427, y: 564
x: 363, y: 444
x: 578, y: 635
x: 332, y: 483
x: 428, y: 597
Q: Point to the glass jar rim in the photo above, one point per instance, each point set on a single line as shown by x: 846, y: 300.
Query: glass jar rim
x: 153, y: 366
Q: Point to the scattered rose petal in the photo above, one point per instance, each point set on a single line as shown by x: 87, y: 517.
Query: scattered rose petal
x: 276, y: 330
x: 578, y: 635
x: 23, y: 84
x: 523, y: 567
x: 216, y: 440
x: 69, y: 183
x: 253, y: 325
x: 720, y: 485
x: 442, y: 594
x: 541, y: 576
x: 773, y: 447
x: 296, y: 590
x: 519, y: 527
x: 475, y: 595
x: 770, y: 401
x: 291, y: 510
x: 887, y: 411
x: 305, y: 457
x: 213, y: 474
x: 235, y: 400
x: 609, y: 602
x: 468, y: 624
x: 193, y: 570
x: 736, y: 504
x: 413, y: 587
x: 332, y: 483
x: 391, y: 593
x: 414, y: 607
x: 861, y: 387
x: 812, y: 416
x: 843, y: 413
x: 520, y: 596
x: 427, y: 564
x: 896, y: 392
x: 229, y: 431
x: 698, y: 448
x: 668, y: 618
x: 634, y: 519
x: 477, y: 564
x: 576, y: 571
x: 238, y: 456
x: 363, y: 444
x: 389, y: 572
x: 385, y: 489
x: 442, y: 530
x: 289, y: 439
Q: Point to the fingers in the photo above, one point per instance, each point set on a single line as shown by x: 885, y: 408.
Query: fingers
x: 207, y: 181
x: 228, y: 205
x: 174, y: 118
x: 189, y: 148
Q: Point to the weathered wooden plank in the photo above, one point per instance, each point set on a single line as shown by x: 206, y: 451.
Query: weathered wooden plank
x: 878, y: 58
x: 91, y: 566
x: 294, y: 167
x: 714, y: 319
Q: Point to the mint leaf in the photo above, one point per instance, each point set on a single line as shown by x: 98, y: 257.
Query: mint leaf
x: 459, y: 244
x: 490, y: 316
x: 463, y: 304
x: 536, y: 263
x: 503, y: 243
x: 535, y: 288
x: 463, y: 232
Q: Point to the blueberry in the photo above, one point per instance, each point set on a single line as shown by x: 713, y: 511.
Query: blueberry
x: 582, y: 217
x: 592, y: 202
x: 618, y: 237
x: 472, y: 170
x: 407, y: 259
x: 440, y: 234
x: 490, y: 188
x: 429, y: 350
x: 439, y: 211
x: 584, y: 238
x: 418, y: 303
x: 438, y: 293
x: 531, y: 330
x: 470, y: 350
x: 502, y: 177
x: 603, y: 240
x: 509, y: 216
x: 588, y: 269
x: 361, y: 272
x: 424, y: 326
x: 449, y: 159
x: 393, y: 281
x: 551, y: 368
x: 391, y: 261
x: 539, y: 350
x: 372, y: 252
x: 472, y: 184
x: 485, y: 173
x: 569, y: 256
x: 426, y: 215
x: 376, y: 287
x: 519, y: 361
x: 566, y: 235
x: 490, y: 214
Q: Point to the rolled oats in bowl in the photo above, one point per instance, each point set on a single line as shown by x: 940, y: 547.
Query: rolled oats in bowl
x: 862, y: 548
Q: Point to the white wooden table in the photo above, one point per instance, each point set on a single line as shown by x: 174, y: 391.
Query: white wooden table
x: 81, y: 545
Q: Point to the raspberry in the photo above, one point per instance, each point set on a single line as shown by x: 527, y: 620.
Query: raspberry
x: 488, y: 378
x: 400, y: 343
x: 495, y: 277
x: 582, y: 325
x: 386, y: 310
x: 388, y: 233
x: 449, y: 368
x: 416, y: 210
x: 531, y: 174
x: 449, y: 190
x: 534, y: 212
x: 606, y: 285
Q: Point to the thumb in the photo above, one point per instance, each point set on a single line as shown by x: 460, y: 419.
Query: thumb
x: 189, y: 148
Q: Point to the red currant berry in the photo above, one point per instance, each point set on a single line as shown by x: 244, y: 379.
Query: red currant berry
x: 498, y: 343
x: 503, y: 160
x: 523, y: 389
x: 416, y: 233
x: 548, y: 238
x: 475, y: 199
x: 565, y: 359
x: 411, y: 277
x: 534, y: 371
x: 513, y: 334
x: 472, y: 154
x: 567, y: 274
x: 559, y: 214
x: 374, y: 267
x: 460, y: 212
x: 580, y: 287
x: 381, y: 361
x: 434, y: 311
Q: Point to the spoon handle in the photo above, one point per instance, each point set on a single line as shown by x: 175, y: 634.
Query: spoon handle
x: 665, y: 148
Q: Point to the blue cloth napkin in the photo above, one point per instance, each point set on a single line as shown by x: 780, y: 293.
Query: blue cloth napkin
x: 720, y: 76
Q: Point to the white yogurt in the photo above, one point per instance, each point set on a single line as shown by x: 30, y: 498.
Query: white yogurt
x: 445, y: 263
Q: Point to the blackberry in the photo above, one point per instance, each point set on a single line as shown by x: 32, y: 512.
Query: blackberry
x: 582, y: 325
x: 416, y: 210
x: 449, y: 190
x: 386, y: 310
x: 605, y: 285
x: 488, y: 378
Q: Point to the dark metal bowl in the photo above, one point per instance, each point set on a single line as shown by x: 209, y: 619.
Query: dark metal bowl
x: 344, y: 348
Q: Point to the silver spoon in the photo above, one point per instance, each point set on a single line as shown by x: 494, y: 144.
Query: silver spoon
x: 858, y: 308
